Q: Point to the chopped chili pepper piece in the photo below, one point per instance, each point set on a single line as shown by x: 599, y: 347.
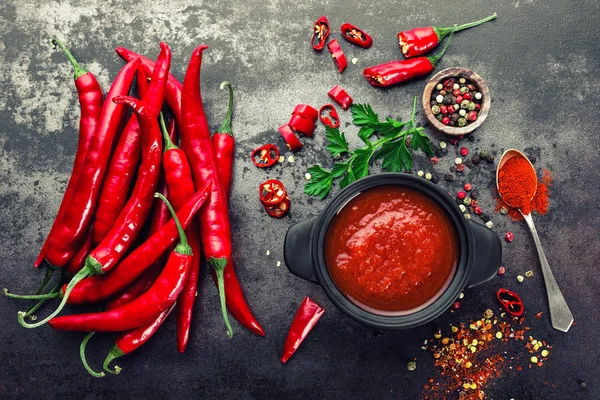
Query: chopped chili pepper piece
x: 332, y: 119
x: 356, y: 36
x: 306, y: 111
x: 302, y: 125
x: 338, y: 55
x: 279, y: 210
x: 306, y: 318
x: 510, y: 301
x: 267, y: 156
x: 320, y: 32
x: 340, y: 96
x: 290, y: 138
x: 272, y: 193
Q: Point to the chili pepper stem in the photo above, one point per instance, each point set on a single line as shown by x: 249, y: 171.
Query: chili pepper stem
x: 36, y: 306
x: 30, y: 296
x: 436, y: 57
x: 443, y: 32
x: 114, y: 352
x: 183, y: 246
x: 226, y: 125
x: 91, y: 267
x: 218, y: 264
x: 83, y: 359
x: 79, y: 70
x: 169, y: 145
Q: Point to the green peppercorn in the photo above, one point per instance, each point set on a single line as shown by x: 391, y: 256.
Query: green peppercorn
x: 464, y: 90
x: 483, y: 154
x: 435, y: 110
x: 462, y: 122
x: 439, y: 117
x: 411, y: 365
x: 471, y: 106
x: 464, y: 104
x: 467, y: 201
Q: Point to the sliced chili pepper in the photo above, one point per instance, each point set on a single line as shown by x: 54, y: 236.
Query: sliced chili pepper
x: 418, y: 41
x: 271, y: 193
x: 302, y: 125
x: 320, y: 32
x: 356, y: 36
x: 394, y: 72
x: 510, y: 301
x: 306, y: 111
x: 338, y: 55
x: 90, y: 96
x: 305, y: 319
x: 224, y: 144
x: 340, y: 96
x: 158, y: 298
x: 265, y: 156
x: 280, y: 209
x: 331, y: 119
x: 291, y: 140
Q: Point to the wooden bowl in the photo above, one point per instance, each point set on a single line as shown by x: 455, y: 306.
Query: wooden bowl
x: 460, y: 73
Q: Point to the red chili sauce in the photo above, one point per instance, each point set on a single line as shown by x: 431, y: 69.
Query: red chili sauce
x: 391, y: 249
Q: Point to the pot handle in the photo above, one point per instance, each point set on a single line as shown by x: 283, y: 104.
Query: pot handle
x: 488, y: 254
x: 297, y: 251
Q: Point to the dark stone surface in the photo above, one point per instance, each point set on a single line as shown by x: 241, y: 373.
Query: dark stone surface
x: 540, y: 61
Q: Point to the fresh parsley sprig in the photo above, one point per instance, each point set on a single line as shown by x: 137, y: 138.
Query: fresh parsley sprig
x: 393, y: 146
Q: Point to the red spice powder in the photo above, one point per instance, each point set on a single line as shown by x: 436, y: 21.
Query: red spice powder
x: 540, y: 202
x: 517, y: 183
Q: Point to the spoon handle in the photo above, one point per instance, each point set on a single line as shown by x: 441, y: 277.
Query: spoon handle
x: 560, y: 315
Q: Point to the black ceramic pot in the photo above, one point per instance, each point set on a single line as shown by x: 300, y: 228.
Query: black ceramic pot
x: 479, y: 258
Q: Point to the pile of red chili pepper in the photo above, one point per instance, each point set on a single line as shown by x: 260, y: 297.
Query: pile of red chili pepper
x: 113, y: 236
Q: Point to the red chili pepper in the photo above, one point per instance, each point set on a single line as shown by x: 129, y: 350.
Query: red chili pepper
x: 271, y: 192
x: 394, y: 72
x: 180, y: 184
x: 90, y: 104
x: 320, y: 32
x: 291, y: 140
x: 332, y: 119
x: 340, y: 96
x: 158, y: 298
x: 356, y: 36
x: 338, y: 55
x: 302, y: 125
x: 280, y: 209
x: 224, y: 143
x: 214, y: 217
x: 306, y: 111
x: 268, y: 155
x: 78, y: 261
x: 418, y: 41
x: 510, y: 301
x: 307, y: 316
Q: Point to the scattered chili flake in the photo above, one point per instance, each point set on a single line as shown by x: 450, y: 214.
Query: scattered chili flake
x: 456, y: 305
x: 529, y: 274
x: 539, y: 315
x: 509, y: 237
x: 501, y: 271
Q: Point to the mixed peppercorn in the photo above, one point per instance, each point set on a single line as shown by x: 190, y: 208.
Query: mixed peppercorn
x: 456, y: 102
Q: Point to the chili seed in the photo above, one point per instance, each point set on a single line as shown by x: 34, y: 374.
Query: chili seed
x: 268, y: 252
x: 534, y: 359
x: 499, y: 335
x: 529, y: 274
x: 478, y: 96
x: 545, y: 353
x: 445, y: 341
x: 468, y: 364
x: 354, y: 60
x: 411, y: 365
x: 281, y: 159
x: 435, y: 110
x: 439, y: 98
x: 504, y: 210
x: 520, y: 278
x: 439, y: 86
x: 501, y: 271
x: 278, y: 263
x: 461, y: 295
x: 489, y: 224
x: 428, y: 176
x: 443, y: 145
x: 291, y: 159
x: 420, y: 173
x: 307, y: 176
x: 488, y: 314
x: 509, y: 237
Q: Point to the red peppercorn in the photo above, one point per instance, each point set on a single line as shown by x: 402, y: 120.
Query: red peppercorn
x: 501, y: 271
x: 459, y: 99
x: 467, y: 96
x: 461, y: 195
x: 456, y: 93
x: 456, y: 305
x: 477, y: 106
x: 473, y: 203
x: 509, y: 237
x: 467, y: 187
x: 477, y: 210
x: 449, y: 83
x: 453, y: 141
x: 444, y: 109
x: 472, y: 116
x: 460, y: 167
x: 464, y: 151
x: 445, y: 120
x: 434, y: 160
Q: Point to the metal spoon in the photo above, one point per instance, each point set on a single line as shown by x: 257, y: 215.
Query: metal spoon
x: 560, y: 315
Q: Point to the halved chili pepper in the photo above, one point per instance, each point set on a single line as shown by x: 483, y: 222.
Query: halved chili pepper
x: 394, y: 72
x: 418, y: 41
x: 265, y: 156
x: 271, y: 193
x: 306, y: 111
x: 158, y: 298
x: 291, y: 140
x: 300, y: 124
x: 320, y: 32
x: 90, y: 96
x: 224, y: 143
x: 340, y: 96
x: 338, y: 55
x: 280, y: 209
x: 331, y: 119
x: 510, y: 301
x: 305, y: 319
x: 356, y: 36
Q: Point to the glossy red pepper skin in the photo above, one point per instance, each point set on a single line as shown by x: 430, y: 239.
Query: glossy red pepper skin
x: 321, y: 31
x: 78, y: 260
x: 331, y: 120
x: 280, y: 209
x: 271, y: 157
x: 306, y: 111
x: 340, y: 96
x: 214, y: 217
x: 305, y: 319
x: 510, y: 301
x: 271, y: 193
x: 300, y: 124
x: 291, y: 140
x: 224, y: 145
x: 356, y: 35
x: 338, y: 55
x: 90, y: 97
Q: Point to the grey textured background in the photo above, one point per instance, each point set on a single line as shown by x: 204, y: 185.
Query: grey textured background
x: 540, y: 61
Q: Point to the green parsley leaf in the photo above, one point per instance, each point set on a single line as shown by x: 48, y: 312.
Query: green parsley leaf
x: 348, y: 179
x: 336, y: 141
x: 320, y: 182
x: 365, y: 133
x: 363, y: 114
